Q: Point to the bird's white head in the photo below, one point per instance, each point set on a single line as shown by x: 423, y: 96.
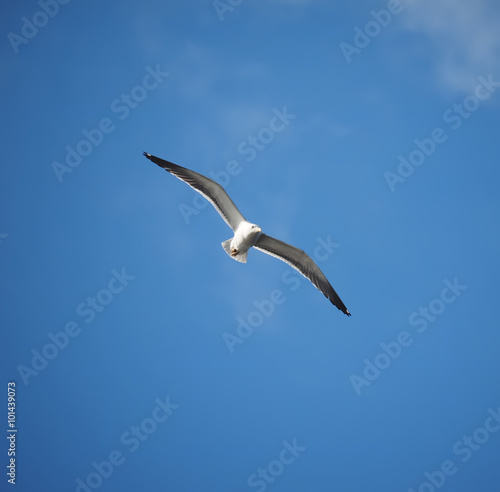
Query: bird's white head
x: 255, y: 230
x: 254, y: 233
x: 248, y: 232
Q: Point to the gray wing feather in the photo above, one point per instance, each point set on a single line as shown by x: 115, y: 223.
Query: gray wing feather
x: 208, y: 188
x: 303, y: 263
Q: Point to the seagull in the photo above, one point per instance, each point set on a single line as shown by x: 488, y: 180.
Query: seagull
x: 247, y: 234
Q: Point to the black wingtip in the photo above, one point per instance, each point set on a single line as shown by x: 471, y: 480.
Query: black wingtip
x: 347, y: 312
x: 159, y: 162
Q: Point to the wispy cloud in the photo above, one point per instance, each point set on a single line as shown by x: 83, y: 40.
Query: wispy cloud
x: 464, y: 37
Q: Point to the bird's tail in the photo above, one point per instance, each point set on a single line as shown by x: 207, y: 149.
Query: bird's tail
x: 241, y: 257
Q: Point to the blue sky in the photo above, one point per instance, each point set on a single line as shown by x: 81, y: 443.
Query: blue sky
x: 143, y: 357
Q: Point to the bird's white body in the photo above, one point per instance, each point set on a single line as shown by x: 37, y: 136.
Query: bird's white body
x: 245, y: 236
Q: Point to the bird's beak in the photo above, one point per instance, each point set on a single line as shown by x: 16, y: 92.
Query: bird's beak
x: 259, y: 229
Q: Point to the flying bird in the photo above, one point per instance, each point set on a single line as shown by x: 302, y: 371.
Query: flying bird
x: 247, y: 234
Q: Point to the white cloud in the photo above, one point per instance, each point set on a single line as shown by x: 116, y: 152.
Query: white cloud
x: 464, y: 35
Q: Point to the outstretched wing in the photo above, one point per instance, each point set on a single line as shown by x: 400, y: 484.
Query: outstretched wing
x: 211, y: 190
x: 303, y: 263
